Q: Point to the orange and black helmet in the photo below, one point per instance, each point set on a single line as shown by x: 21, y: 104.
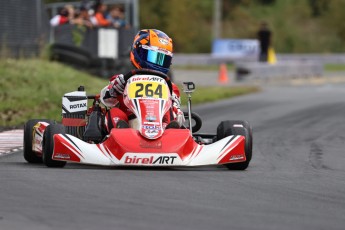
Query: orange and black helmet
x: 152, y: 49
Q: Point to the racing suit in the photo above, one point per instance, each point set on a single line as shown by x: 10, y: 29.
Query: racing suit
x: 112, y: 97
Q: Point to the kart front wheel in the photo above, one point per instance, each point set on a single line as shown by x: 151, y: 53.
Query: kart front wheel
x: 228, y: 128
x: 48, y: 146
x: 29, y: 155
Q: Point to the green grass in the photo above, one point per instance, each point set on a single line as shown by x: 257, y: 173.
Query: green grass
x: 34, y: 89
x: 334, y: 67
x: 210, y: 94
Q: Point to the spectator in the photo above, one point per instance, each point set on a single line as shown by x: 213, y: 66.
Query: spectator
x: 117, y: 17
x: 83, y: 18
x: 264, y: 35
x: 61, y: 18
x: 71, y: 13
x: 99, y: 19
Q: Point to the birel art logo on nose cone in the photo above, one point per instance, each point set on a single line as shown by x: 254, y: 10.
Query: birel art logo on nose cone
x: 150, y: 159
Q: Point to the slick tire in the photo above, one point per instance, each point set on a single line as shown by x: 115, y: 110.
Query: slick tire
x: 48, y: 146
x: 196, y: 119
x: 228, y: 128
x: 29, y: 155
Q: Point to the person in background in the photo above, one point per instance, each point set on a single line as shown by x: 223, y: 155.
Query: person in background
x: 83, y: 18
x: 117, y: 17
x: 71, y: 13
x: 99, y: 19
x: 61, y: 18
x: 264, y: 36
x: 151, y: 49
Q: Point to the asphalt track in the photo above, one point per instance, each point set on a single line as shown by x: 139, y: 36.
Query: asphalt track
x: 296, y: 179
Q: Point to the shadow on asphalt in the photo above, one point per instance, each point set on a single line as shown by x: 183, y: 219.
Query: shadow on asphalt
x: 73, y: 166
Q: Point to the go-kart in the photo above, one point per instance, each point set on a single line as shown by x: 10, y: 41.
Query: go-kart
x: 81, y: 137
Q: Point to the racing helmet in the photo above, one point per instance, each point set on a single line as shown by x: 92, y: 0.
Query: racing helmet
x: 152, y: 49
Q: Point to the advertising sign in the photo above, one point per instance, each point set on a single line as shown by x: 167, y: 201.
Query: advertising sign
x: 236, y: 48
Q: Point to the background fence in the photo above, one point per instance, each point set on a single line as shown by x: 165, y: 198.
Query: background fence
x: 23, y: 27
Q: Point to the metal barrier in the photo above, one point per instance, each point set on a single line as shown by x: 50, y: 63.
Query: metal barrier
x: 286, y: 69
x: 23, y: 26
x: 207, y: 59
x: 99, y: 42
x: 100, y: 51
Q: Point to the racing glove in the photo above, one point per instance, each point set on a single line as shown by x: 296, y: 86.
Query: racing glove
x: 110, y: 92
x: 178, y: 114
x: 118, y: 85
x: 108, y: 97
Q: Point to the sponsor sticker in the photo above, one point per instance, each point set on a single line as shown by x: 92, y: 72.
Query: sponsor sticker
x: 151, y: 123
x: 151, y: 127
x: 236, y: 157
x: 150, y: 118
x: 151, y: 133
x: 74, y: 106
x: 151, y: 144
x: 77, y: 106
x: 151, y: 159
x: 163, y: 41
x: 146, y: 78
x: 62, y: 156
x: 116, y: 119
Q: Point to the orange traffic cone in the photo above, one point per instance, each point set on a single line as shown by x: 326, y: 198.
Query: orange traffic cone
x: 223, y: 74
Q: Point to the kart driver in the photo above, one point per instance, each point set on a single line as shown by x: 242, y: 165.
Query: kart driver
x: 147, y: 44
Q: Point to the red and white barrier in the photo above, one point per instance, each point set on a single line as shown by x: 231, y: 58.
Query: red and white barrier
x: 10, y: 141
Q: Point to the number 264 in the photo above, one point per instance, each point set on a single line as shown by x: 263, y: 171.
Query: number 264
x: 148, y: 90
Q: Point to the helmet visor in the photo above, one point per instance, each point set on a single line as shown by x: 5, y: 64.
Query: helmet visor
x: 156, y: 57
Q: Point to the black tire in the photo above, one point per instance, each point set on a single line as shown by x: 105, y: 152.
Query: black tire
x: 29, y: 155
x: 48, y: 145
x: 227, y: 128
x: 197, y: 121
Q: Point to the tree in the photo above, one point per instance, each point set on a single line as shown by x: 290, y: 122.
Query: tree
x: 318, y: 7
x: 188, y: 22
x: 334, y: 19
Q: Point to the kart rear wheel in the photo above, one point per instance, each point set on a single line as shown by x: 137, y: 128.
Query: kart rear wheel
x: 228, y: 128
x: 196, y: 119
x: 48, y: 146
x: 29, y: 155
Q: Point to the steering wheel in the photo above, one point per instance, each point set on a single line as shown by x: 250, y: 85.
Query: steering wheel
x: 149, y: 72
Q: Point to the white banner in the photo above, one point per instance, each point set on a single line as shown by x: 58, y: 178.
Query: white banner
x: 236, y: 48
x: 108, y: 43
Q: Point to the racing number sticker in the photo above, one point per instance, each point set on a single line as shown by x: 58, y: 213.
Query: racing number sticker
x: 148, y: 89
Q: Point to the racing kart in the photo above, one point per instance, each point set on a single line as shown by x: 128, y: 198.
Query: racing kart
x: 81, y: 138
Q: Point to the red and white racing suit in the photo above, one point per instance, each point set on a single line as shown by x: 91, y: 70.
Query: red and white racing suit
x: 112, y: 98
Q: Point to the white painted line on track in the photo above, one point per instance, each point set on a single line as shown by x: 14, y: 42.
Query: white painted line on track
x: 11, y: 141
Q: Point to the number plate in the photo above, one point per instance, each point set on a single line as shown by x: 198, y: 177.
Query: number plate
x: 148, y: 89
